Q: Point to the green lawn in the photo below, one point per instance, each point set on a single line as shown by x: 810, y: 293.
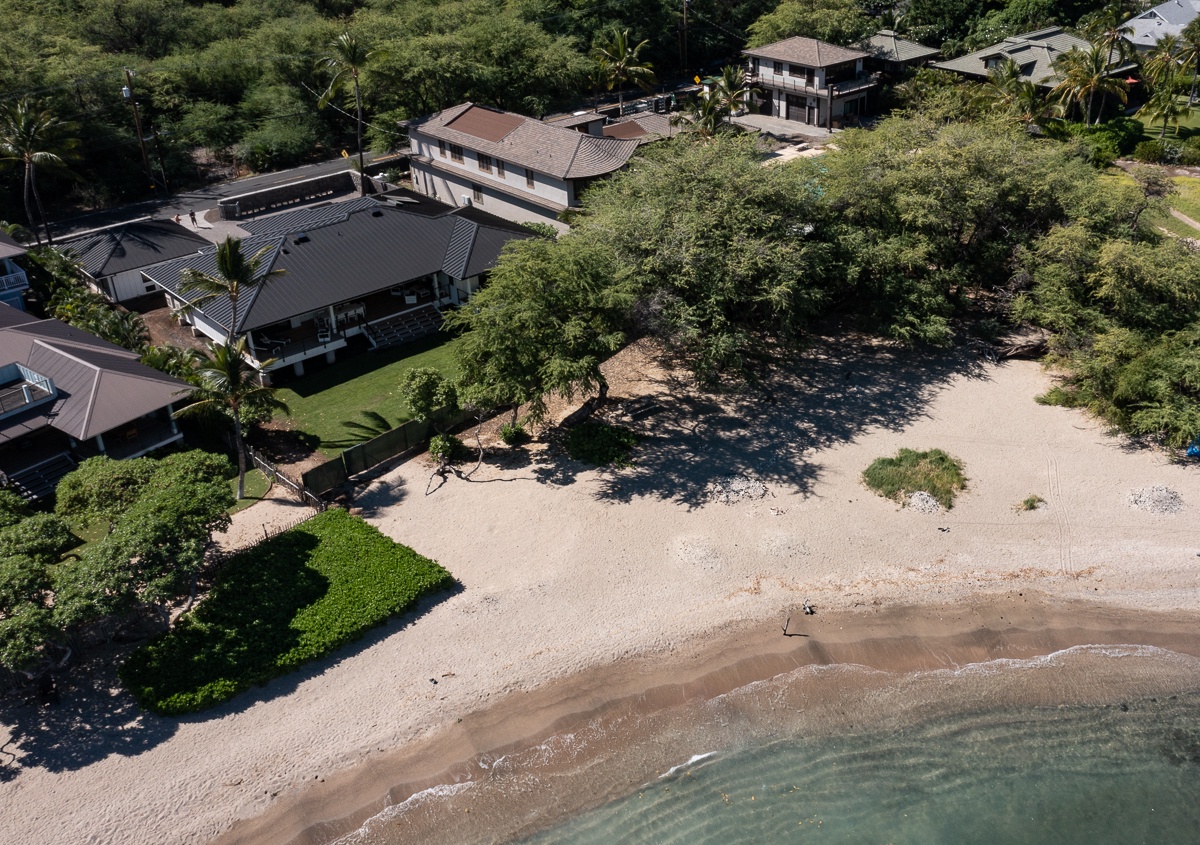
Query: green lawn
x: 322, y: 402
x: 288, y: 601
x: 256, y: 487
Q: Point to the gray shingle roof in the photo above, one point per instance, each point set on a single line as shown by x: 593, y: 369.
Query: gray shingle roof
x: 1035, y: 52
x: 890, y: 47
x: 303, y: 219
x: 371, y: 248
x: 1166, y: 19
x: 100, y: 386
x: 132, y: 246
x: 544, y: 147
x: 806, y: 51
x: 10, y: 248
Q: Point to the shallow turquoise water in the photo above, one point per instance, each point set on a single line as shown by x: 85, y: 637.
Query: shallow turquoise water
x: 1064, y: 775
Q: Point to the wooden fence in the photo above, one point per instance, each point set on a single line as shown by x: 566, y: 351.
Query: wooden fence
x: 278, y: 476
x: 363, y: 456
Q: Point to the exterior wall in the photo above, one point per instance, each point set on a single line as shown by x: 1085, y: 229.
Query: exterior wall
x: 452, y: 190
x: 128, y: 285
x: 545, y: 187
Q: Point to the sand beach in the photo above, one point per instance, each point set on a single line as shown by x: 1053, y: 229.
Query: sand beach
x: 636, y: 590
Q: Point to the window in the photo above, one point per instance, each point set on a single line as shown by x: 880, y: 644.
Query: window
x: 528, y: 178
x: 485, y: 162
x: 441, y: 148
x: 500, y: 168
x: 456, y: 153
x: 476, y: 192
x: 778, y: 68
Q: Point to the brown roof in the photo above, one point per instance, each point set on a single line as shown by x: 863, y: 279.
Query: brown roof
x: 645, y: 127
x: 100, y: 385
x: 486, y: 124
x: 806, y: 51
x: 553, y: 150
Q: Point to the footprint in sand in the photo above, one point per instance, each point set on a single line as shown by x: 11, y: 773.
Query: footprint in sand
x: 697, y: 552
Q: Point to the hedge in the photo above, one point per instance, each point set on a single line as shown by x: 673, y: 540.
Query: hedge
x: 292, y: 599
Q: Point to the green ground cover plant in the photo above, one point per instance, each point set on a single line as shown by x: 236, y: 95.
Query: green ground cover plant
x: 321, y: 403
x: 601, y: 444
x: 292, y: 599
x: 1031, y: 503
x: 933, y: 472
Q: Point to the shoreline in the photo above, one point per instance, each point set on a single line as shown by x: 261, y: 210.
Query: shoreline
x: 896, y: 641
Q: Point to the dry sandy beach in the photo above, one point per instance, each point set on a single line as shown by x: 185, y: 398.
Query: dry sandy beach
x: 582, y: 588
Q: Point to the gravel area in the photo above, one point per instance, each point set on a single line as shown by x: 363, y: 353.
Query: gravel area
x: 731, y: 489
x: 922, y: 502
x: 1157, y: 499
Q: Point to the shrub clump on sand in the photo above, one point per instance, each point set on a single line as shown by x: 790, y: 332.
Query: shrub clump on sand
x: 1031, y: 503
x: 601, y: 444
x: 933, y: 472
x: 292, y: 599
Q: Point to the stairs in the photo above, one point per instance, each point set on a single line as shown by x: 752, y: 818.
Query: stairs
x: 39, y: 481
x: 411, y: 325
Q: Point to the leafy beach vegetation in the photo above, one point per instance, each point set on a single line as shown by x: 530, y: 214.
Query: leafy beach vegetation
x: 933, y: 472
x: 601, y: 444
x: 292, y: 599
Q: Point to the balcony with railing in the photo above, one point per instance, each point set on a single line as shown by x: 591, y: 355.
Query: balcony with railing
x: 799, y: 85
x: 12, y: 278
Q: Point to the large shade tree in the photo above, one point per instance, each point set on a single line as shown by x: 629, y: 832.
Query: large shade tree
x: 30, y: 136
x: 346, y: 61
x: 236, y: 274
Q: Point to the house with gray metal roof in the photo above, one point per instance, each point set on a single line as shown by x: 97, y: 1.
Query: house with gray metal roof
x: 13, y: 281
x: 1168, y: 18
x: 1034, y: 53
x: 66, y: 395
x: 810, y: 81
x: 517, y: 167
x: 369, y: 272
x: 113, y: 258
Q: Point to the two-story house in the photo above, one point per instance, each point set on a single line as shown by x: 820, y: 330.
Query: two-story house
x: 810, y: 81
x: 514, y: 166
x: 13, y: 281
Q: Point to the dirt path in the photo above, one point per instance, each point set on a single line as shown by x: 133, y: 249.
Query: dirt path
x: 278, y: 510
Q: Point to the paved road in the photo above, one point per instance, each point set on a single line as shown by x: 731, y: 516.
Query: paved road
x: 199, y: 199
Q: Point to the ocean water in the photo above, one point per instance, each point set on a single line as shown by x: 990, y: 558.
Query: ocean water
x: 1076, y: 775
x: 1090, y: 745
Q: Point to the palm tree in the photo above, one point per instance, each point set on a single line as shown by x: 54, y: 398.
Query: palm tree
x: 1107, y: 29
x: 30, y: 135
x: 704, y: 115
x: 1189, y: 54
x: 1003, y: 83
x: 619, y: 63
x: 172, y: 360
x: 731, y: 88
x: 1083, y: 74
x: 1162, y: 66
x: 236, y: 274
x: 229, y: 386
x: 1164, y: 105
x: 346, y: 62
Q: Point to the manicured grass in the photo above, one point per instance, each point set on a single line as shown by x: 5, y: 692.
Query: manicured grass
x: 294, y: 598
x: 1173, y: 225
x: 322, y: 402
x: 256, y: 487
x: 1187, y: 197
x: 933, y: 472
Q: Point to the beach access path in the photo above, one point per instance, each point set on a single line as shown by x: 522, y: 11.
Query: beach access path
x: 566, y: 570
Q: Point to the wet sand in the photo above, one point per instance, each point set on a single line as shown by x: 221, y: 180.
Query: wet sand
x: 891, y: 640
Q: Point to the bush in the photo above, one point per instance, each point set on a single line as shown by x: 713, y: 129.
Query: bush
x: 933, y: 472
x: 1031, y: 503
x: 1156, y: 152
x: 1189, y: 153
x: 445, y: 448
x: 294, y: 598
x: 601, y: 444
x: 513, y: 434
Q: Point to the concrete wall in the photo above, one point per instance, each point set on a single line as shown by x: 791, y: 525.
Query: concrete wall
x: 283, y: 196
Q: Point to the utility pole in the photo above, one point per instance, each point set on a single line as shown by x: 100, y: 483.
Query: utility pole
x: 127, y: 93
x: 685, y: 36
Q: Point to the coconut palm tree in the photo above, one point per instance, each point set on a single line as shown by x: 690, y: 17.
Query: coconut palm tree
x: 999, y: 93
x: 1164, y: 105
x: 1189, y: 54
x: 31, y: 135
x: 1164, y: 63
x: 235, y: 275
x: 346, y: 61
x: 1107, y: 29
x: 1083, y: 74
x: 228, y: 386
x: 731, y: 88
x: 619, y: 64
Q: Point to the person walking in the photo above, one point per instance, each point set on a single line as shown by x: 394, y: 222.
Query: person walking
x: 192, y: 217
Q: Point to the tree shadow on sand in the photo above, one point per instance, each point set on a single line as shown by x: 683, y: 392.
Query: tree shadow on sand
x: 837, y: 390
x: 95, y: 717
